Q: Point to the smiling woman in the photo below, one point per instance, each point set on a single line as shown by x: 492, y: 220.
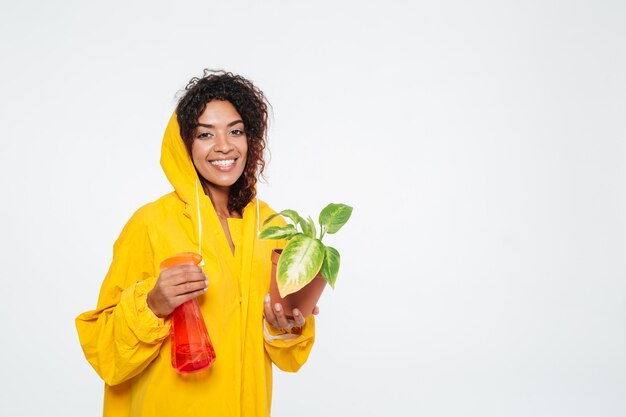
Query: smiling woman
x: 219, y: 147
x: 214, y: 142
x: 229, y: 99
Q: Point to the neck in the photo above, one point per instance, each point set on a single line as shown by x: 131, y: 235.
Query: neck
x: 219, y: 198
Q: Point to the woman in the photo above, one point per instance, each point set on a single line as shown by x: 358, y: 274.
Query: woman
x: 212, y: 153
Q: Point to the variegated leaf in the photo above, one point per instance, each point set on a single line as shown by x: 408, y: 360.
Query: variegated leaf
x: 278, y: 232
x: 306, y: 228
x: 292, y: 215
x: 312, y: 227
x: 299, y: 262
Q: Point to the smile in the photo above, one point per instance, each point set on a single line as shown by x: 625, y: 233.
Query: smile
x: 223, y: 162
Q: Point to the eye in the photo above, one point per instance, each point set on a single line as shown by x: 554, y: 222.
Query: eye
x: 204, y: 135
x: 237, y: 132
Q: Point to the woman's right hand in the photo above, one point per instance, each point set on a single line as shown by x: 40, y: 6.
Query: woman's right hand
x: 174, y: 286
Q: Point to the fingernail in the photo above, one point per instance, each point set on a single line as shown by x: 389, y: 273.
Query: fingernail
x: 277, y: 307
x: 296, y: 312
x: 267, y: 298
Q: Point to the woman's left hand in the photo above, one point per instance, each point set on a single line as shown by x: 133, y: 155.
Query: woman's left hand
x: 275, y: 316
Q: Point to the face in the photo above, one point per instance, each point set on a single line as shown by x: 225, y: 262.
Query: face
x: 220, y: 145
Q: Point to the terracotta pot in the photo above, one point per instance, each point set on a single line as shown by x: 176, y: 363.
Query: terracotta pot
x: 305, y: 299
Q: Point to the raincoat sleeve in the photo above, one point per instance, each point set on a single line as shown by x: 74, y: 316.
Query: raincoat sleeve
x: 289, y: 349
x: 122, y: 336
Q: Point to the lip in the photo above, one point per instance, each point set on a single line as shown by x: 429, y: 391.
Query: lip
x: 224, y: 168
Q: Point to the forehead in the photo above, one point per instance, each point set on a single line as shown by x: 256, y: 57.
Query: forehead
x: 219, y: 112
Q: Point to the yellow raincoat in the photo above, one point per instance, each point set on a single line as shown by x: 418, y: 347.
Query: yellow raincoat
x: 129, y: 347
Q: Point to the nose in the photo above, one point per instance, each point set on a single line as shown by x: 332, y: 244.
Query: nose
x: 222, y: 143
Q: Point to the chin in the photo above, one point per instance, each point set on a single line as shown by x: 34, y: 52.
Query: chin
x: 221, y: 182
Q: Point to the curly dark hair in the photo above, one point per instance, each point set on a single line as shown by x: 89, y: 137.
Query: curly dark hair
x: 250, y: 103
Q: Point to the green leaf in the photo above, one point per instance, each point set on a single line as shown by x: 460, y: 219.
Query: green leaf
x: 334, y: 216
x: 291, y: 214
x: 311, y: 226
x: 278, y: 232
x: 306, y: 228
x: 330, y: 266
x: 270, y: 218
x: 298, y: 264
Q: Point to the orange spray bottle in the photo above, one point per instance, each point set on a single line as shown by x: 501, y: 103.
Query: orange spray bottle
x: 192, y: 350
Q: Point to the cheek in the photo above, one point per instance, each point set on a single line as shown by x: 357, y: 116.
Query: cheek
x: 198, y: 151
x: 198, y: 154
x: 243, y: 149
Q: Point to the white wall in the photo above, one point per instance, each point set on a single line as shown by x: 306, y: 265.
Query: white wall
x: 481, y: 143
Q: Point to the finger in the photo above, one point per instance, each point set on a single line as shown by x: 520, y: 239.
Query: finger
x: 187, y: 276
x: 189, y: 269
x: 181, y: 299
x: 283, y: 323
x: 269, y: 313
x: 189, y: 287
x: 298, y: 318
x: 182, y: 268
x: 316, y: 311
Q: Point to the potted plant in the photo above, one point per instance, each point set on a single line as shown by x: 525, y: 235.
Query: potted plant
x: 301, y: 270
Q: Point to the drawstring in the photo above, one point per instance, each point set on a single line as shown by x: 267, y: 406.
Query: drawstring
x: 258, y: 218
x: 199, y: 224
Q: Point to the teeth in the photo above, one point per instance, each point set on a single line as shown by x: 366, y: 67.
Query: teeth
x: 223, y: 163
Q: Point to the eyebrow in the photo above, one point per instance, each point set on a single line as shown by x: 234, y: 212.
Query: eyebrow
x: 231, y: 124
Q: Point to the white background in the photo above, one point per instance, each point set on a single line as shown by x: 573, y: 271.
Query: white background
x: 482, y: 144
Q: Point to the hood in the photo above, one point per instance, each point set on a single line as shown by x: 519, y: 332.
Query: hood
x: 177, y: 164
x: 182, y: 174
